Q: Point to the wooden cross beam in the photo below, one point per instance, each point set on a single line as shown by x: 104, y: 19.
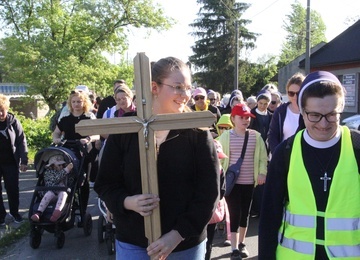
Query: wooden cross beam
x: 145, y: 123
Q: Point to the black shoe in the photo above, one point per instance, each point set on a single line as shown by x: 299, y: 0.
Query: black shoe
x: 235, y: 255
x: 17, y: 218
x: 243, y: 251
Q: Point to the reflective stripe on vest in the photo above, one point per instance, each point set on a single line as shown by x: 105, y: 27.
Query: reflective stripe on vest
x: 344, y: 251
x: 300, y: 220
x: 297, y: 235
x: 298, y: 246
x: 343, y: 224
x: 349, y: 224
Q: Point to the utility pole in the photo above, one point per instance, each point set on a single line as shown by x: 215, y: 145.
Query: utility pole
x: 307, y: 54
x: 236, y: 67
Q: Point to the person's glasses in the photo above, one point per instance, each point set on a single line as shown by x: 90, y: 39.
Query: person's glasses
x: 199, y: 97
x: 224, y: 127
x: 314, y: 117
x: 292, y: 93
x: 121, y: 99
x: 180, y: 89
x: 273, y: 102
x: 212, y: 99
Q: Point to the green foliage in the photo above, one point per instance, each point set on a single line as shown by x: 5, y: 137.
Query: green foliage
x: 55, y: 45
x: 295, y: 26
x: 254, y: 76
x: 215, y: 49
x: 37, y: 133
x: 11, y: 237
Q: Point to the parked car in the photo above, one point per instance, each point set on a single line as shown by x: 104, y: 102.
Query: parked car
x: 353, y: 122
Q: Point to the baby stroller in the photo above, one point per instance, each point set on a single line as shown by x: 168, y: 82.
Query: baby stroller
x: 106, y: 229
x: 73, y: 210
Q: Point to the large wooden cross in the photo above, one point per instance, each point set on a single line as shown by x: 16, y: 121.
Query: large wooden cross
x: 145, y: 123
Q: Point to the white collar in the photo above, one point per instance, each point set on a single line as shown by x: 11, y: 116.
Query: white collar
x: 261, y: 113
x: 322, y: 144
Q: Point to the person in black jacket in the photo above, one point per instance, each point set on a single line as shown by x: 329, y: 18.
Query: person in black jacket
x: 286, y: 119
x: 13, y: 155
x: 188, y: 178
x: 311, y: 199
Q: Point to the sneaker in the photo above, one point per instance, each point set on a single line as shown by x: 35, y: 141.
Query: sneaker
x: 55, y: 216
x: 235, y: 255
x: 243, y: 251
x: 17, y: 218
x: 227, y: 242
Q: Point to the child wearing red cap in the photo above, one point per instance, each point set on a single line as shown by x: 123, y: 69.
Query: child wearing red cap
x: 252, y: 173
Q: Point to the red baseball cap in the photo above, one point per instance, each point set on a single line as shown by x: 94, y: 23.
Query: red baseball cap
x: 241, y: 110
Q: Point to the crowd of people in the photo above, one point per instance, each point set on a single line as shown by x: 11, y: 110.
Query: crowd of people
x: 296, y: 160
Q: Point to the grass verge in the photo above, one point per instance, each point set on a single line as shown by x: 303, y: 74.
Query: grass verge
x: 13, y: 236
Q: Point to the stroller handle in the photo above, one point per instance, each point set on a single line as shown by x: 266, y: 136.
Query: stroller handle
x: 75, y: 144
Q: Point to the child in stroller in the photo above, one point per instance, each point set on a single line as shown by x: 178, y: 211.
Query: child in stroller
x: 55, y: 175
x: 58, y: 221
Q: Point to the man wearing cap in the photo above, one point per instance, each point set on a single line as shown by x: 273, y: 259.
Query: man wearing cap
x: 201, y: 104
x: 311, y: 202
x: 109, y: 101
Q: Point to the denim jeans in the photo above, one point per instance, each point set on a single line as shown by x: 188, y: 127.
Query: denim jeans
x: 125, y: 251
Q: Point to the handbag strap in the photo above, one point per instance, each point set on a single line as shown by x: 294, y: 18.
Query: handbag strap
x: 245, y: 144
x: 244, y: 147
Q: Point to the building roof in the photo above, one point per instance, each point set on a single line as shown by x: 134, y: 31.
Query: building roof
x: 343, y: 49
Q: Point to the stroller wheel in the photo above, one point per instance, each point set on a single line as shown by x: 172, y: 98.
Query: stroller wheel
x: 101, y: 228
x: 110, y: 244
x: 60, y: 240
x: 87, y: 221
x: 35, y: 239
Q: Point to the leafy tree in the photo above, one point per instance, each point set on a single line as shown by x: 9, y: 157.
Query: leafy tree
x: 215, y: 48
x: 254, y: 76
x: 295, y: 26
x: 54, y: 45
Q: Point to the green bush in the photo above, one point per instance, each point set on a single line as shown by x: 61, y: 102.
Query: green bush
x: 37, y: 133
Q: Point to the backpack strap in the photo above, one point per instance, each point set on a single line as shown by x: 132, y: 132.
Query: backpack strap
x: 108, y: 112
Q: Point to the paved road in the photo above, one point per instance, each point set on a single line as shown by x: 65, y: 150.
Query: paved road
x: 78, y: 246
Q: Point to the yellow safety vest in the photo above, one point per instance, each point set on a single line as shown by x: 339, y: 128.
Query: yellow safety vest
x: 297, y: 235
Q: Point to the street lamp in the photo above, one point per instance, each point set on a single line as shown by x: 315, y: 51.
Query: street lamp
x: 307, y: 53
x: 236, y: 67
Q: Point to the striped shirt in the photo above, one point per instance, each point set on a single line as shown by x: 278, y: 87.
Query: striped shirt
x: 247, y: 168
